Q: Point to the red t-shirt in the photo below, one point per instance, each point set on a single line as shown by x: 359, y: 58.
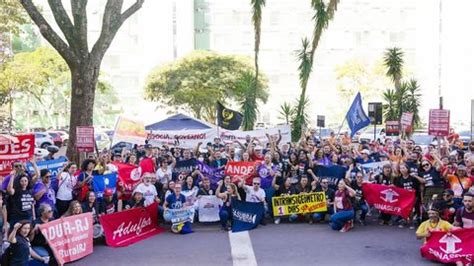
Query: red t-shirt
x: 147, y: 165
x: 342, y: 201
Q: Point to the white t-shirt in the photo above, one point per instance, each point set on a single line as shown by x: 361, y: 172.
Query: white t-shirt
x: 149, y: 193
x: 160, y: 174
x: 254, y: 196
x: 66, y: 183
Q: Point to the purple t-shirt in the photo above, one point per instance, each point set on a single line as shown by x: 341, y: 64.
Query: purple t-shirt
x: 264, y: 173
x: 49, y: 197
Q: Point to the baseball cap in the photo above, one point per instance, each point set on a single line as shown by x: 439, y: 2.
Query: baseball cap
x: 108, y: 192
x: 365, y: 152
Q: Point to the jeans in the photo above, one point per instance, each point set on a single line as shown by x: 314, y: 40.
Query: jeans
x: 224, y: 215
x: 340, y: 218
x: 364, y: 209
x: 293, y: 218
x: 320, y: 216
x: 269, y: 192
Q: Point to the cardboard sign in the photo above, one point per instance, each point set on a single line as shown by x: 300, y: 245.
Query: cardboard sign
x: 20, y: 151
x: 85, y: 139
x: 438, y: 123
x: 299, y: 204
x: 70, y: 238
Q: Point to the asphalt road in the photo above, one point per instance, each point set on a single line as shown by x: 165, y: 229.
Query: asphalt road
x: 283, y: 244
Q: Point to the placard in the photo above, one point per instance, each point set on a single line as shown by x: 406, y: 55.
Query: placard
x: 85, y: 139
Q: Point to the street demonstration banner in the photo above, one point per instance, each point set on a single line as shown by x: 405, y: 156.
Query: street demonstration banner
x: 208, y: 207
x: 128, y: 130
x: 101, y: 182
x: 388, y: 199
x: 128, y: 227
x: 450, y: 247
x: 20, y: 151
x: 212, y: 173
x: 186, y: 166
x: 299, y: 204
x: 177, y: 216
x: 128, y: 178
x: 52, y: 165
x: 190, y: 138
x: 332, y: 173
x: 246, y: 215
x: 239, y: 169
x: 70, y: 238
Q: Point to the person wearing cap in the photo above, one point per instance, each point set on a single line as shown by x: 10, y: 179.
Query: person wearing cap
x: 109, y: 201
x: 459, y: 183
x: 136, y: 201
x: 434, y: 223
x: 364, y: 158
x: 44, y: 193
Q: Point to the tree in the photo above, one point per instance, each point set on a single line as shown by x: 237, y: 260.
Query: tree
x: 195, y: 82
x: 286, y: 112
x: 246, y: 96
x: 12, y: 16
x: 323, y: 14
x: 250, y: 116
x: 84, y: 64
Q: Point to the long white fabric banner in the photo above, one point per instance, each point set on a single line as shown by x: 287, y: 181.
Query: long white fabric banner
x: 190, y: 138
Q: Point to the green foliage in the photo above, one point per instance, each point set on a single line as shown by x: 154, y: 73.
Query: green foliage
x: 38, y: 83
x: 393, y: 60
x: 287, y: 112
x: 27, y: 40
x: 195, y: 82
x: 12, y: 16
x: 247, y: 99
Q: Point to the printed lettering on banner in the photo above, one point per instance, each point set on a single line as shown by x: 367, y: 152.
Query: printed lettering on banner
x: 450, y: 247
x: 70, y: 238
x: 20, y: 151
x: 128, y: 130
x: 299, y: 204
x: 128, y: 227
x: 246, y: 215
x: 85, y: 141
x: 392, y: 200
x: 239, y: 169
x: 181, y: 215
x: 438, y: 122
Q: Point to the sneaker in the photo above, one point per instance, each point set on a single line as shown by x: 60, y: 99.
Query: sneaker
x: 348, y: 226
x: 412, y: 227
x: 351, y: 224
x: 277, y: 220
x: 401, y: 226
x: 362, y: 222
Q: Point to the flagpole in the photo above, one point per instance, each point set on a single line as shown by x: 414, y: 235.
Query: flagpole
x: 339, y: 131
x: 217, y: 117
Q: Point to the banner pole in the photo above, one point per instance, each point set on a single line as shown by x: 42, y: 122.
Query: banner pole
x: 217, y: 119
x: 339, y: 131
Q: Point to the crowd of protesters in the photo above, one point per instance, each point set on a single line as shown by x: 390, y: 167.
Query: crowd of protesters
x: 442, y: 178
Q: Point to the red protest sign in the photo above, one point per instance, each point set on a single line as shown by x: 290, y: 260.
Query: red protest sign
x: 20, y: 150
x: 406, y: 120
x: 439, y: 122
x: 85, y: 139
x: 392, y: 200
x: 70, y: 238
x: 128, y: 179
x: 125, y: 228
x: 239, y: 169
x: 392, y: 128
x: 450, y: 247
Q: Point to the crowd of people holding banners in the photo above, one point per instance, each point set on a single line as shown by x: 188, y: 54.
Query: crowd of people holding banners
x: 123, y: 195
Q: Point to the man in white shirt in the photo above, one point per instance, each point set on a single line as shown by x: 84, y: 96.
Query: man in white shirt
x: 148, y: 190
x: 255, y: 193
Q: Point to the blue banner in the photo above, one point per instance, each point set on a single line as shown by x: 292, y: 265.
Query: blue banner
x: 356, y: 117
x: 101, y: 182
x: 186, y: 166
x: 333, y: 173
x: 246, y: 215
x: 52, y: 165
x: 212, y: 173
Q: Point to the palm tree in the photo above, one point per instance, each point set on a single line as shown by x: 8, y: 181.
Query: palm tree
x: 323, y: 14
x: 286, y: 112
x: 413, y: 101
x: 257, y: 6
x: 247, y: 97
x: 390, y: 107
x: 394, y: 62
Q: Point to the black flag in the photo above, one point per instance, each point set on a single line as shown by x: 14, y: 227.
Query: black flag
x: 228, y: 119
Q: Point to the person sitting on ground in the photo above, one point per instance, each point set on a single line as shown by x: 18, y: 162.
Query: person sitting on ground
x: 254, y: 193
x: 205, y: 188
x: 285, y: 189
x: 136, y: 201
x: 38, y: 241
x: 148, y: 190
x: 75, y: 208
x: 109, y: 201
x: 323, y: 186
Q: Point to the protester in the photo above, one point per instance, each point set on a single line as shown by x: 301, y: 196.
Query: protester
x: 137, y: 201
x: 92, y: 205
x: 74, y: 208
x: 43, y: 191
x: 3, y: 215
x: 434, y: 223
x: 465, y: 214
x: 225, y: 212
x: 147, y: 189
x: 38, y: 242
x: 21, y: 201
x: 323, y: 186
x: 343, y: 211
x: 20, y: 250
x: 66, y: 183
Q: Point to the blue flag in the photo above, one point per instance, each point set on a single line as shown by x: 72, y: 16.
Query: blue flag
x: 246, y: 215
x: 356, y: 117
x: 333, y: 173
x: 52, y: 165
x: 101, y: 182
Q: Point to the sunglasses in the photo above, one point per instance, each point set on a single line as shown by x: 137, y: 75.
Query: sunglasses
x: 256, y: 183
x: 425, y: 165
x: 49, y: 211
x: 324, y: 182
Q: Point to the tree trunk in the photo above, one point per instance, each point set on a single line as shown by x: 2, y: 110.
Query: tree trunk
x: 84, y: 80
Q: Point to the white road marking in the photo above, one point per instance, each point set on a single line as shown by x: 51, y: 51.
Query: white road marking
x: 241, y: 249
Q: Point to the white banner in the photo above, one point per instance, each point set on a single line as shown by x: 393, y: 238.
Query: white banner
x: 190, y: 138
x: 209, y: 208
x: 127, y: 130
